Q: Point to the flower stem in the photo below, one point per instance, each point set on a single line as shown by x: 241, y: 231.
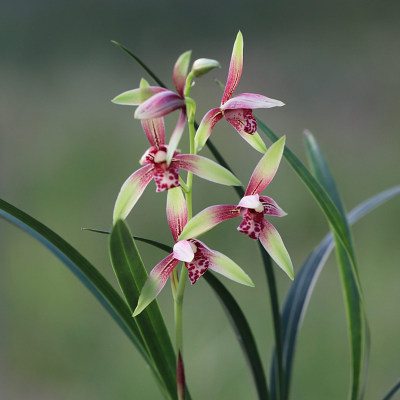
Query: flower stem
x: 180, y: 290
x: 178, y: 309
x: 276, y: 316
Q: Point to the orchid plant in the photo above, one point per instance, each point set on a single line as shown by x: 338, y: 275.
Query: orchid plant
x: 137, y: 313
x: 162, y: 163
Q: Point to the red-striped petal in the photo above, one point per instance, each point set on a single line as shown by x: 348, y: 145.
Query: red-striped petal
x: 176, y: 211
x: 131, y: 191
x: 159, y: 105
x: 155, y: 131
x: 235, y: 68
x: 266, y: 168
x: 176, y: 135
x: 251, y: 101
x: 206, y: 126
x: 271, y: 207
x: 207, y: 219
x: 180, y: 71
x: 155, y: 282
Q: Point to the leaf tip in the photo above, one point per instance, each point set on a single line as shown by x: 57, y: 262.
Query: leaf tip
x: 136, y: 312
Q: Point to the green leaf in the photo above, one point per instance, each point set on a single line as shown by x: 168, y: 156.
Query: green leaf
x: 277, y: 378
x: 392, y: 391
x: 140, y: 62
x: 161, y: 246
x: 300, y: 292
x: 357, y: 322
x: 84, y: 271
x: 131, y: 275
x: 243, y: 333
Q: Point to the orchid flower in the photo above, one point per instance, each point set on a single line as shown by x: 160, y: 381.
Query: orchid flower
x: 252, y: 208
x: 196, y: 256
x: 156, y: 101
x: 238, y: 110
x: 166, y: 176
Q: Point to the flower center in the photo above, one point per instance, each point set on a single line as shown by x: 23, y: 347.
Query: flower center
x: 161, y: 156
x: 184, y: 250
x: 253, y: 202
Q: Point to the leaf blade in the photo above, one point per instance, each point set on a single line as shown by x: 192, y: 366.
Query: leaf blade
x: 298, y: 297
x: 243, y: 332
x: 131, y: 275
x: 83, y: 270
x: 356, y: 317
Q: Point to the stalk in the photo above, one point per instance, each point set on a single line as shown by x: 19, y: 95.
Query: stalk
x: 180, y: 290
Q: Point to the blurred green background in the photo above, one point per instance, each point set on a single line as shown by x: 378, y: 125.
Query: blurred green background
x: 65, y: 150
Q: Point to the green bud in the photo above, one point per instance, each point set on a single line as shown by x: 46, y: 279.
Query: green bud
x: 203, y: 65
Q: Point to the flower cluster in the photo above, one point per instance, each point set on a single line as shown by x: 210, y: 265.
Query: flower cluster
x: 162, y: 162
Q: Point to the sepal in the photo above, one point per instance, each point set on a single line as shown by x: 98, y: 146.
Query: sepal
x: 207, y: 169
x: 137, y: 96
x: 155, y: 282
x: 205, y: 128
x: 159, y: 105
x: 251, y: 101
x: 131, y: 191
x: 207, y: 219
x: 176, y: 211
x: 266, y: 168
x: 272, y: 242
x: 225, y: 266
x: 235, y: 68
x: 180, y: 71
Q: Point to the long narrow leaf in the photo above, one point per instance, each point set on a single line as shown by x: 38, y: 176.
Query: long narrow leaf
x: 140, y: 62
x: 357, y: 322
x: 83, y: 270
x: 161, y: 246
x: 243, y: 333
x: 298, y: 297
x: 277, y: 378
x: 131, y: 275
x: 392, y: 391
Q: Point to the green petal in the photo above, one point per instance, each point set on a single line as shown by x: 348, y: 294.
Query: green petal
x: 137, y: 96
x: 266, y: 168
x: 176, y: 211
x: 272, y: 242
x: 131, y: 191
x: 207, y: 219
x: 207, y: 169
x: 180, y: 71
x: 255, y: 141
x: 155, y: 282
x: 225, y: 266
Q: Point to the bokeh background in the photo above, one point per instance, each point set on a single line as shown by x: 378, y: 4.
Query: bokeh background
x: 65, y: 150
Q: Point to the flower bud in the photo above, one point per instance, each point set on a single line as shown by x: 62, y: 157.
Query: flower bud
x: 203, y: 65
